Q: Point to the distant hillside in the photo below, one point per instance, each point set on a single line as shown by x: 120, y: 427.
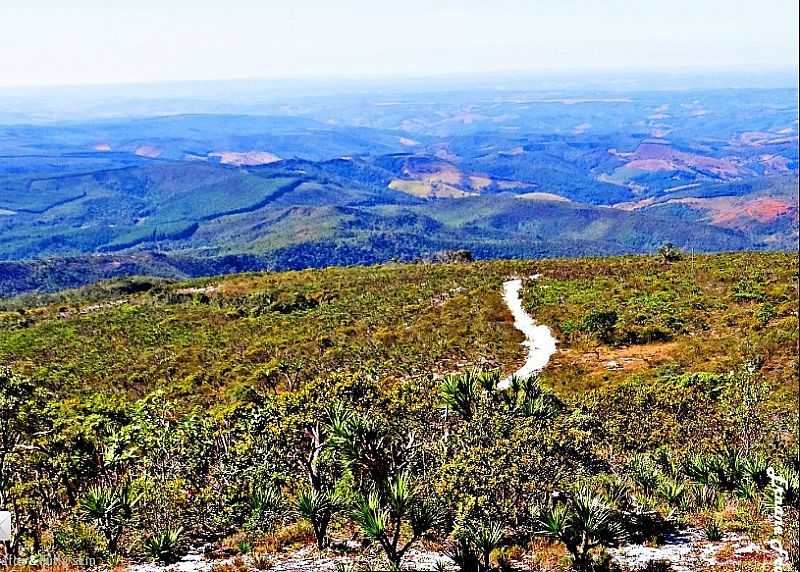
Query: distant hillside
x: 266, y: 221
x: 209, y: 219
x: 526, y: 175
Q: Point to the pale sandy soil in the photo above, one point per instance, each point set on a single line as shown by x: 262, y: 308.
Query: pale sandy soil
x: 538, y: 338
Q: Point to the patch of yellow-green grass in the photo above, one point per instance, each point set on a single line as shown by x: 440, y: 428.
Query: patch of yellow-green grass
x: 245, y: 159
x: 429, y: 189
x: 701, y: 314
x: 444, y: 191
x: 416, y: 188
x: 510, y: 185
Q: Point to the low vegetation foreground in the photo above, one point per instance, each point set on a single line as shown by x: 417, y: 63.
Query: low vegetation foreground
x: 351, y: 419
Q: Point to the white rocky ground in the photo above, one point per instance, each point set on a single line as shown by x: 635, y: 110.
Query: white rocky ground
x: 307, y: 559
x: 688, y: 551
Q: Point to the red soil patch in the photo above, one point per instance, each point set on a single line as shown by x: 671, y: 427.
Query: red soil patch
x: 653, y: 165
x: 148, y: 151
x: 766, y: 209
x: 647, y: 152
x: 733, y: 212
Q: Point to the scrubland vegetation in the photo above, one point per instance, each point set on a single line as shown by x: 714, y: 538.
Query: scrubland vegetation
x: 260, y: 413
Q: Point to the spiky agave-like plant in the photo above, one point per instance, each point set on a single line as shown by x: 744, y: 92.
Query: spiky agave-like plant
x: 382, y: 519
x: 477, y: 542
x: 265, y: 497
x: 369, y: 448
x: 700, y: 468
x: 486, y: 539
x: 673, y: 492
x: 318, y: 507
x: 461, y: 392
x: 164, y: 545
x: 526, y: 397
x: 582, y: 523
x: 756, y: 470
x: 646, y: 472
x: 110, y: 507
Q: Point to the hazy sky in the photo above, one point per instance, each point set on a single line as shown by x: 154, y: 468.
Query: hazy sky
x: 46, y: 42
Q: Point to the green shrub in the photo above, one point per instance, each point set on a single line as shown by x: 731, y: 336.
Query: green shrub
x: 165, y: 546
x: 601, y: 323
x: 77, y: 539
x: 713, y: 531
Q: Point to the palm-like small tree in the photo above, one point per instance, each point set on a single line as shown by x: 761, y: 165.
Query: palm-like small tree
x: 110, y: 508
x: 474, y: 546
x: 460, y: 393
x: 670, y: 253
x: 465, y: 392
x: 265, y: 497
x: 369, y: 448
x: 382, y: 521
x: 526, y: 397
x: 582, y: 523
x: 486, y: 539
x: 101, y: 506
x: 756, y: 469
x: 318, y: 507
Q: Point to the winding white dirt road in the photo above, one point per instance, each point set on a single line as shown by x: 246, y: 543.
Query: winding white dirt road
x: 538, y: 338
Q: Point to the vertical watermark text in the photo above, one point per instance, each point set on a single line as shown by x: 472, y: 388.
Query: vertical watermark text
x: 775, y: 543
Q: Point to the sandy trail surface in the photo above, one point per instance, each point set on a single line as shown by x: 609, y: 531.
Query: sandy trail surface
x: 538, y: 338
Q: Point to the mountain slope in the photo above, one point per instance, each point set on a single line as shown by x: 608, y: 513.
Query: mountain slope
x: 207, y: 218
x: 297, y: 237
x: 517, y: 174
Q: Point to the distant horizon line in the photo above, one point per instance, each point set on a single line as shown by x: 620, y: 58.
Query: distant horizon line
x: 678, y: 72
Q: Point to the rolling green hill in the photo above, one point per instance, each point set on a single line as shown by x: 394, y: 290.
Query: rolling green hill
x: 192, y: 194
x: 201, y: 218
x: 284, y: 236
